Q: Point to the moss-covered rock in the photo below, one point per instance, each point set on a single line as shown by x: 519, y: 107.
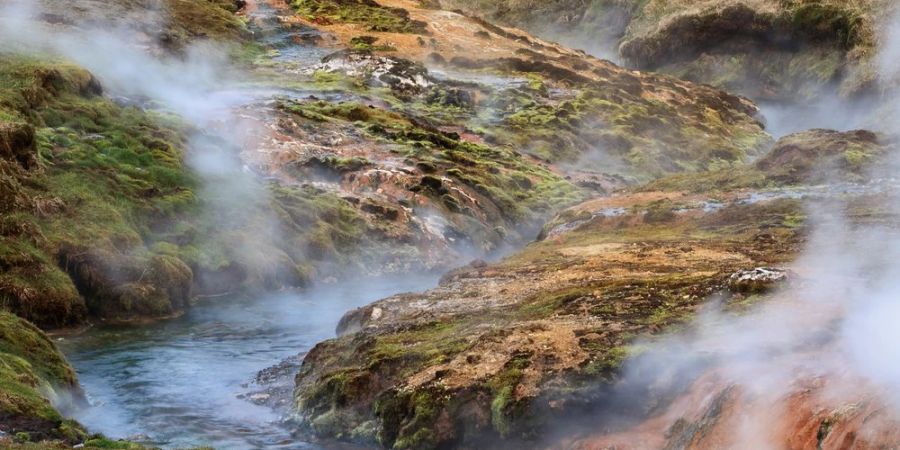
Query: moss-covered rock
x: 817, y: 156
x: 766, y: 49
x: 34, y: 377
x: 475, y: 361
x: 809, y: 157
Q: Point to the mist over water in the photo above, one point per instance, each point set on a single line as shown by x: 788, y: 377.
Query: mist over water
x: 177, y: 383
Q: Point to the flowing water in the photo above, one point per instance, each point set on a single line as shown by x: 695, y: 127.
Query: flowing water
x: 184, y: 382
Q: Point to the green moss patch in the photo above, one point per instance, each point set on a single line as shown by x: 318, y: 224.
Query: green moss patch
x: 362, y: 12
x: 32, y: 371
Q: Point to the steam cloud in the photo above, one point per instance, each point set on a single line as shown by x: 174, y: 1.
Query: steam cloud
x: 838, y: 323
x: 200, y: 86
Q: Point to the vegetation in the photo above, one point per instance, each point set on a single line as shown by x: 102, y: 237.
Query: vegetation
x: 363, y: 12
x: 520, y: 190
x: 98, y: 176
x: 32, y: 371
x: 212, y: 19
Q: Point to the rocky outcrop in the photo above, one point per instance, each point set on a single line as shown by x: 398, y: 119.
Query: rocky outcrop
x: 565, y: 107
x: 768, y: 50
x: 502, y: 353
x: 816, y: 156
x: 401, y: 76
x: 488, y: 357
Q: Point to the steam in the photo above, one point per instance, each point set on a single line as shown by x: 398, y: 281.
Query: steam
x: 835, y: 326
x: 199, y: 86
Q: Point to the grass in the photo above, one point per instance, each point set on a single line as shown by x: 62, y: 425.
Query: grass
x: 32, y: 370
x: 107, y: 177
x: 207, y: 19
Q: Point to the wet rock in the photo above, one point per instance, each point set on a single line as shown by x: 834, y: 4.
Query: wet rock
x: 398, y: 74
x: 758, y: 280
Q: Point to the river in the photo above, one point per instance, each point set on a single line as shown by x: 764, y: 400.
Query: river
x: 184, y: 382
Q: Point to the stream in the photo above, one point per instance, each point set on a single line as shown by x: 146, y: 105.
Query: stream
x: 185, y: 382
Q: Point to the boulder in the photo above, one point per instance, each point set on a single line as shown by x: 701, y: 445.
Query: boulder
x: 758, y: 280
x: 823, y: 155
x: 400, y: 75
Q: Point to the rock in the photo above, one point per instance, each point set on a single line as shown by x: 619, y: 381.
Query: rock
x: 766, y: 49
x: 816, y: 156
x: 485, y: 355
x: 400, y: 75
x: 757, y: 280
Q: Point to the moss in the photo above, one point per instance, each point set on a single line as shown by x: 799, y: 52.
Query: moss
x: 503, y: 386
x: 830, y: 21
x: 111, y: 179
x: 606, y: 362
x: 368, y: 44
x: 660, y: 212
x: 209, y: 19
x: 367, y: 13
x: 722, y: 180
x: 548, y: 303
x: 632, y: 136
x: 417, y: 430
x: 521, y: 189
x: 32, y: 373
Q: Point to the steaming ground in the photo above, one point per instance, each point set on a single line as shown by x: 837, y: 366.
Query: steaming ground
x: 820, y: 353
